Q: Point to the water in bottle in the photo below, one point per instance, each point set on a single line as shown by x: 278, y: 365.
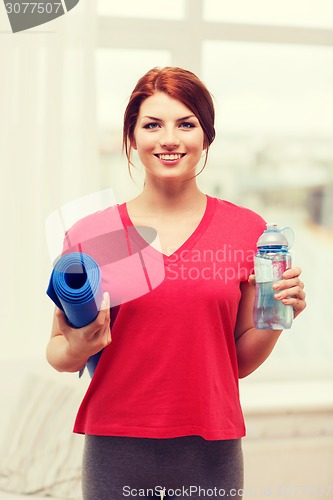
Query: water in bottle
x: 271, y: 260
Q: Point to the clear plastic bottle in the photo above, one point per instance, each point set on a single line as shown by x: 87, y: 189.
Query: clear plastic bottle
x: 271, y: 260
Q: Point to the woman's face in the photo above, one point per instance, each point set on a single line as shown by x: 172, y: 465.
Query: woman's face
x: 168, y: 138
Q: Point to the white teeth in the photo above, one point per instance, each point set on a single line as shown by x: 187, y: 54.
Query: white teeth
x: 170, y: 157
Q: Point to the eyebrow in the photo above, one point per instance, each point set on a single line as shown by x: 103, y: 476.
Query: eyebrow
x: 178, y: 120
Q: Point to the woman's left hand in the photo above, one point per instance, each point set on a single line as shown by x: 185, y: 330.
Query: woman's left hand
x: 290, y: 290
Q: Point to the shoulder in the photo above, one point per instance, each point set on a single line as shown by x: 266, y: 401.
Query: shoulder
x: 93, y: 225
x: 240, y: 215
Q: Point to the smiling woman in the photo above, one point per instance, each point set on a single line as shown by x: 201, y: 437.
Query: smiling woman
x: 173, y: 139
x: 167, y: 378
x: 183, y: 105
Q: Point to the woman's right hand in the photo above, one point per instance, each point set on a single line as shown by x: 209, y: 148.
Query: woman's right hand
x: 69, y: 348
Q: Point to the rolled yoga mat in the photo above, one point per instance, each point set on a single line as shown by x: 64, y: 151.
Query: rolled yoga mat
x: 75, y: 287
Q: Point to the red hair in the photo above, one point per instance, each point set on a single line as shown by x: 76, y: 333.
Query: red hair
x: 180, y: 84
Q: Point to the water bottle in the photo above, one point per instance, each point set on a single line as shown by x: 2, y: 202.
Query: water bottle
x: 271, y: 260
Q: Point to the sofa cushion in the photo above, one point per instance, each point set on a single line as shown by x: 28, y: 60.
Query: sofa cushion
x: 40, y: 454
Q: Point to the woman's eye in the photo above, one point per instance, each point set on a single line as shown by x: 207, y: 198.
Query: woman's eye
x: 151, y: 126
x: 187, y: 125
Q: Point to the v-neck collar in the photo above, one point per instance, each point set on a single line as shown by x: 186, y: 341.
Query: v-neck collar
x: 188, y: 243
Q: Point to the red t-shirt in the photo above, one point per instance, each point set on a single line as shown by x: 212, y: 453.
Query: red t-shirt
x: 171, y: 368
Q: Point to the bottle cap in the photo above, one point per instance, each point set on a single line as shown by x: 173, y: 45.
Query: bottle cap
x: 272, y: 236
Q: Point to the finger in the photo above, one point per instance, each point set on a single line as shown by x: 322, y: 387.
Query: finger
x: 102, y: 337
x: 104, y: 312
x: 96, y: 327
x: 297, y: 304
x: 106, y: 301
x: 292, y: 272
x: 288, y: 283
x: 292, y: 299
x: 295, y: 292
x: 102, y: 317
x: 106, y: 334
x: 251, y: 280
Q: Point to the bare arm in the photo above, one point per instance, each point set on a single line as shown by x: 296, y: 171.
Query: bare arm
x: 69, y: 348
x: 254, y: 346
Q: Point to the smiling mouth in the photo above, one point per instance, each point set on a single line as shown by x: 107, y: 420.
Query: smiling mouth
x: 170, y: 157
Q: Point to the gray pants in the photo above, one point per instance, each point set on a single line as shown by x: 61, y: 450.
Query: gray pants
x: 116, y: 468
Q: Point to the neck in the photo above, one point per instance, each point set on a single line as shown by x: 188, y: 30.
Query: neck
x: 168, y: 197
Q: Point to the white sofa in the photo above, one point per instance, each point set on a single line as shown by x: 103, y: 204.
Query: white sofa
x: 39, y: 454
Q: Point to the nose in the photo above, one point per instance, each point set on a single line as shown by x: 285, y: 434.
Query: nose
x: 169, y: 139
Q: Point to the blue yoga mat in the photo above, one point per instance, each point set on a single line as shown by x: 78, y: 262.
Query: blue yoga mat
x: 75, y: 287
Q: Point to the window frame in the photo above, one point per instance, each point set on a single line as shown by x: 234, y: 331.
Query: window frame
x: 184, y: 38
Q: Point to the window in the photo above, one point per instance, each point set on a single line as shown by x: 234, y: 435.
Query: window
x: 158, y: 9
x: 274, y: 101
x: 309, y: 13
x: 274, y: 153
x: 117, y: 71
x: 270, y: 89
